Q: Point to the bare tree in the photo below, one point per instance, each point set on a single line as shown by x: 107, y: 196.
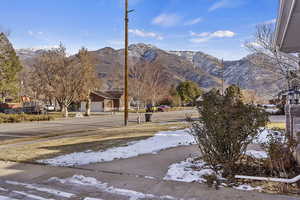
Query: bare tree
x: 62, y: 77
x: 89, y: 79
x: 156, y: 81
x: 137, y: 85
x: 283, y: 66
x: 137, y: 89
x: 148, y: 81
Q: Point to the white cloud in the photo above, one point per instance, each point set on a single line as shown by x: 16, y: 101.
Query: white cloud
x: 252, y: 44
x: 271, y: 21
x: 142, y: 33
x: 206, y: 36
x: 221, y: 34
x: 226, y: 4
x: 32, y: 33
x: 193, y: 21
x: 218, y: 4
x: 199, y: 40
x: 166, y: 20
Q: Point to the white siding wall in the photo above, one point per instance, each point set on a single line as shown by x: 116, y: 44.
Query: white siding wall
x: 95, y: 107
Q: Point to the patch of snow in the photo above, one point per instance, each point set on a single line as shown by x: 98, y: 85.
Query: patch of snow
x: 188, y: 171
x: 92, y: 182
x: 3, y: 189
x: 193, y: 171
x: 264, y: 136
x: 158, y: 142
x: 42, y: 189
x: 90, y: 198
x: 246, y: 187
x: 31, y: 196
x: 149, y: 177
x: 6, y: 198
x: 257, y: 154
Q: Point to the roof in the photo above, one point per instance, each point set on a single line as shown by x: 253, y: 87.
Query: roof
x: 287, y: 28
x: 109, y: 94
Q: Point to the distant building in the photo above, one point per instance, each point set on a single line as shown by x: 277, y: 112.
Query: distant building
x: 105, y: 101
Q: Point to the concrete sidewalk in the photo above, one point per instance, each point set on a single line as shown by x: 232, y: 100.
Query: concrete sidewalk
x: 128, y: 174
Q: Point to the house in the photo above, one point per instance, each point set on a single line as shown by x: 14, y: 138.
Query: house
x: 9, y: 106
x: 102, y: 101
x: 287, y: 40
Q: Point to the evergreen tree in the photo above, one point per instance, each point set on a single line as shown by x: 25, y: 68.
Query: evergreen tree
x: 9, y: 68
x: 188, y: 92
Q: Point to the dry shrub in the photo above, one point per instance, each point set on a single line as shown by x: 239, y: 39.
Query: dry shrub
x: 226, y: 127
x: 281, y: 161
x: 16, y: 118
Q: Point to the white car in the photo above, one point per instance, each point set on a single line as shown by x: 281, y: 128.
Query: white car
x: 50, y: 108
x: 270, y: 108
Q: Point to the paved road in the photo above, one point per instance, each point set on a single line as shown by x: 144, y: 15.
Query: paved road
x: 29, y: 129
x: 277, y: 118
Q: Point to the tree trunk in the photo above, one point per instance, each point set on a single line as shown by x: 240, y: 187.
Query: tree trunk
x: 88, y: 107
x: 65, y: 111
x: 138, y: 113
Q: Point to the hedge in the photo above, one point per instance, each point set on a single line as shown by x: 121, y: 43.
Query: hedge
x: 16, y: 118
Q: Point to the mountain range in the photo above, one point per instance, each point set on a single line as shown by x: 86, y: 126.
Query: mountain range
x: 199, y: 67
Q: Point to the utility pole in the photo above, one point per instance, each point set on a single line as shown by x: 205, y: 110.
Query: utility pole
x: 126, y: 66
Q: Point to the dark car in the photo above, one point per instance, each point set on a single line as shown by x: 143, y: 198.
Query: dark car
x: 13, y: 111
x: 163, y: 108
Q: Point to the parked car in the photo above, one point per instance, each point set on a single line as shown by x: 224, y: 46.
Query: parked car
x: 50, y: 108
x: 163, y: 108
x: 34, y: 110
x: 271, y: 108
x: 13, y: 111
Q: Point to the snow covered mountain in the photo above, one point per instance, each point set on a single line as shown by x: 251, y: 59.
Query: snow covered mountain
x: 181, y: 65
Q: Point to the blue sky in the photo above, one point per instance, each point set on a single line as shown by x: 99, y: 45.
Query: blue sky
x: 216, y: 27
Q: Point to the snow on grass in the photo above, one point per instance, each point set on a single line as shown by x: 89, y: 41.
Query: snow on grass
x: 149, y: 177
x: 31, y: 196
x: 158, y: 142
x: 104, y: 187
x: 194, y: 171
x: 257, y: 154
x: 6, y: 198
x: 265, y: 134
x: 246, y: 187
x: 42, y: 189
x: 188, y: 171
